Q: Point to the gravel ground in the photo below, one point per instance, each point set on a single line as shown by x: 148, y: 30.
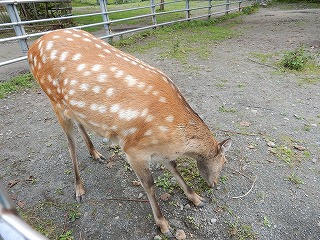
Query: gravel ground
x: 271, y: 116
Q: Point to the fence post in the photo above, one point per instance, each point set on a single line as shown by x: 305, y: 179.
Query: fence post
x: 19, y: 29
x: 209, y: 8
x: 187, y: 9
x: 105, y: 17
x: 239, y: 1
x: 227, y: 6
x: 153, y: 11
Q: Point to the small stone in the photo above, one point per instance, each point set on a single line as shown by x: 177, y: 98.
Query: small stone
x: 165, y: 197
x: 254, y: 111
x: 140, y: 195
x: 136, y: 183
x: 117, y: 217
x: 271, y: 150
x: 245, y: 123
x: 157, y: 237
x: 271, y: 144
x: 187, y: 206
x: 251, y: 147
x: 299, y: 147
x: 180, y: 235
x: 213, y: 220
x: 314, y: 160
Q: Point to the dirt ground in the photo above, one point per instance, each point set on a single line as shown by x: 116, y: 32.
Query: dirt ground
x: 270, y: 187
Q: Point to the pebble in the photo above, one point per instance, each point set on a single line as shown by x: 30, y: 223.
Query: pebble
x: 140, y: 195
x: 157, y: 237
x: 165, y: 197
x: 314, y: 160
x: 187, y: 206
x: 180, y: 235
x: 271, y: 144
x: 213, y: 220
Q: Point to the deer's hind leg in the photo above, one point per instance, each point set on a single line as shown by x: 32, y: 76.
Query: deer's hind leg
x: 67, y: 126
x: 93, y: 152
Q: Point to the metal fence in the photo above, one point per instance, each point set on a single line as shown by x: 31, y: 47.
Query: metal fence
x: 189, y: 9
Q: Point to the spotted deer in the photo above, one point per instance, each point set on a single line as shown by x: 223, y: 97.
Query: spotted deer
x: 117, y: 96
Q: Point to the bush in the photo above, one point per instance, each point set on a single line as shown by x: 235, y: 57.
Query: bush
x: 296, y: 59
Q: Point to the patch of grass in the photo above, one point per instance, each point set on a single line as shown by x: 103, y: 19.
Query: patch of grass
x: 285, y: 154
x: 18, y: 83
x: 309, y: 80
x: 241, y: 232
x: 250, y: 9
x: 294, y: 179
x: 180, y: 40
x: 226, y: 110
x: 39, y: 217
x: 266, y: 222
x: 296, y: 59
x: 164, y: 181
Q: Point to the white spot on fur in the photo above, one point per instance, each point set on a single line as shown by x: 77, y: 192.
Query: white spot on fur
x: 69, y: 39
x: 130, y: 80
x: 144, y: 112
x: 87, y: 73
x: 86, y: 39
x: 84, y: 86
x: 113, y: 68
x: 149, y: 118
x: 66, y: 81
x: 96, y: 67
x: 128, y: 114
x: 110, y: 92
x: 73, y: 82
x: 163, y: 128
x: 148, y: 89
x: 102, y: 77
x: 67, y: 31
x: 162, y: 99
x: 63, y: 56
x: 71, y: 92
x: 49, y: 45
x: 129, y: 131
x: 62, y: 69
x: 115, y: 108
x: 119, y: 74
x: 76, y: 35
x: 106, y: 50
x: 56, y: 37
x: 76, y: 57
x: 96, y: 89
x: 53, y: 54
x: 81, y: 66
x: 76, y: 103
x: 98, y: 46
x: 170, y: 118
x: 155, y: 93
x: 141, y: 85
x: 95, y: 124
x: 148, y: 133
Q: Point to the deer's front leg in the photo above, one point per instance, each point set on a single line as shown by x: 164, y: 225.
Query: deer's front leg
x: 143, y: 172
x: 191, y: 195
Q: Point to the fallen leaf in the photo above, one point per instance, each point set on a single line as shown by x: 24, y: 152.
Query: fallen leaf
x: 165, y: 197
x: 21, y: 204
x: 110, y: 164
x: 136, y: 183
x: 13, y: 182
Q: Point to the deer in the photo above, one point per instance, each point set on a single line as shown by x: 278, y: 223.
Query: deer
x: 100, y: 89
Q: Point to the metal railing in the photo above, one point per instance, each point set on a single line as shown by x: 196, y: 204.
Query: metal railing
x: 205, y: 11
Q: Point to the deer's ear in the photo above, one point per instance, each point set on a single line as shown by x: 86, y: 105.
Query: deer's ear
x: 225, y: 145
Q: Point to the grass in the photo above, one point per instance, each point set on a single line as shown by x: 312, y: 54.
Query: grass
x: 39, y: 217
x: 240, y: 231
x: 294, y: 179
x: 18, y: 83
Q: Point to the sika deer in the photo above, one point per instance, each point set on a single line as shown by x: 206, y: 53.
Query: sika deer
x: 119, y: 97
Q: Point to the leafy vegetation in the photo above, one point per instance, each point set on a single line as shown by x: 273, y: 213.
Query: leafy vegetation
x: 18, y: 83
x: 296, y: 59
x: 241, y: 232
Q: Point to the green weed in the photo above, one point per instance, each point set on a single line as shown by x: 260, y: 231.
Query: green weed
x: 294, y: 179
x: 240, y: 231
x: 226, y: 110
x: 18, y: 83
x: 266, y: 222
x: 164, y: 181
x: 66, y: 236
x: 296, y: 59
